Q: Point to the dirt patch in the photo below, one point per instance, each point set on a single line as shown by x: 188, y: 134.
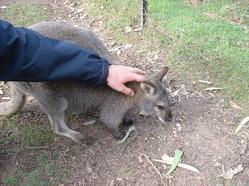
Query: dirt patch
x: 202, y: 128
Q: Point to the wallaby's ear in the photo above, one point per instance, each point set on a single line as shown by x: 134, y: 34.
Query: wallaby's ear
x: 148, y: 87
x: 162, y: 74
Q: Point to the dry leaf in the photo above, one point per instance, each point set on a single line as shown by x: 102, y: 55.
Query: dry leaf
x: 6, y: 98
x: 119, y: 52
x: 112, y: 43
x: 128, y: 29
x: 127, y: 46
x: 175, y: 162
x: 156, y: 57
x: 175, y: 93
x: 234, y: 105
x: 169, y: 160
x: 205, y: 82
x: 212, y: 88
x: 232, y: 172
x: 89, y: 122
x: 242, y: 123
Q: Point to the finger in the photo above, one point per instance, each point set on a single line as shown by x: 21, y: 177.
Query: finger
x: 138, y: 71
x: 127, y: 91
x: 136, y: 78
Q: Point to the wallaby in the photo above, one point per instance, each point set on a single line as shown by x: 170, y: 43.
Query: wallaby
x: 151, y: 97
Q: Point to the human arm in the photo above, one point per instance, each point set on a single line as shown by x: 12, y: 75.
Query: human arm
x: 26, y: 55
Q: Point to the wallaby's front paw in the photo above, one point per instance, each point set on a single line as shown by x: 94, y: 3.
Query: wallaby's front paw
x: 118, y: 134
x: 127, y: 122
x: 89, y: 140
x: 79, y: 138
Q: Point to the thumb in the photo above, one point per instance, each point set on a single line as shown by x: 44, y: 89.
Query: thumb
x: 127, y: 91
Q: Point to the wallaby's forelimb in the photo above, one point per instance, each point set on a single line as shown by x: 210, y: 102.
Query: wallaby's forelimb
x: 15, y: 104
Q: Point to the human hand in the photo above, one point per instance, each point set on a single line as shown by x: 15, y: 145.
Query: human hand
x: 119, y: 75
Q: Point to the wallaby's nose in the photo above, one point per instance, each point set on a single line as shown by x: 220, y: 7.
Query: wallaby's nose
x: 170, y: 116
x: 143, y: 113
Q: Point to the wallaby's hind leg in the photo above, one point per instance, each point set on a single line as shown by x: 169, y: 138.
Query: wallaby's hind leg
x: 59, y: 127
x: 55, y: 109
x: 15, y: 104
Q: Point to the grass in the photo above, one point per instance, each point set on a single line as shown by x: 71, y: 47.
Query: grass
x: 24, y: 14
x: 208, y: 41
x: 46, y: 172
x: 27, y: 134
x: 19, y: 135
x: 34, y: 135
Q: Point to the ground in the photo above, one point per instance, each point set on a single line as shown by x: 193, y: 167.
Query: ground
x: 202, y: 127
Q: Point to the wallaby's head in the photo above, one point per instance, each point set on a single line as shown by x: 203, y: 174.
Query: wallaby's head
x: 157, y: 98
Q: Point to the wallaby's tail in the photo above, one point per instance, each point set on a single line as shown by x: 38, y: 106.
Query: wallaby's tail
x: 15, y: 104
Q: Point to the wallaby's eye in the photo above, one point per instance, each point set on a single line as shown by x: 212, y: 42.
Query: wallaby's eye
x: 160, y: 107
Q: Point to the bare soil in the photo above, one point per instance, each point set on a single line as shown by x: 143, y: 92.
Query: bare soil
x: 202, y: 127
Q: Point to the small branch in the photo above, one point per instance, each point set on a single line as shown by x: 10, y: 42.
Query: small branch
x: 134, y: 138
x: 150, y: 162
x: 37, y: 148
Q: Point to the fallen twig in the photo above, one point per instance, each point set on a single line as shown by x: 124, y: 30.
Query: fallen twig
x: 213, y: 88
x: 150, y: 162
x: 234, y: 105
x: 205, y: 82
x: 37, y: 148
x: 134, y: 138
x: 242, y: 123
x: 231, y: 172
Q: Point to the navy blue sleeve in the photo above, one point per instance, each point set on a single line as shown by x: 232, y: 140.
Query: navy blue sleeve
x: 26, y: 55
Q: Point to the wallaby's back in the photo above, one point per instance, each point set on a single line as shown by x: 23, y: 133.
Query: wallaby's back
x: 82, y: 36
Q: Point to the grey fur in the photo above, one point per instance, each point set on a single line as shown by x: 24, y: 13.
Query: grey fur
x: 152, y: 98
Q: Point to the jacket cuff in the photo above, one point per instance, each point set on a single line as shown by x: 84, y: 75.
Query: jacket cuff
x: 104, y: 72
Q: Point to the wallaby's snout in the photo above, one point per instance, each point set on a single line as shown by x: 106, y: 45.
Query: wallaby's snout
x: 168, y: 116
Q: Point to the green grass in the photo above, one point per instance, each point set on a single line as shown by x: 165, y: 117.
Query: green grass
x: 26, y: 134
x: 10, y: 181
x: 209, y: 41
x: 24, y: 14
x: 46, y: 171
x: 34, y: 135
